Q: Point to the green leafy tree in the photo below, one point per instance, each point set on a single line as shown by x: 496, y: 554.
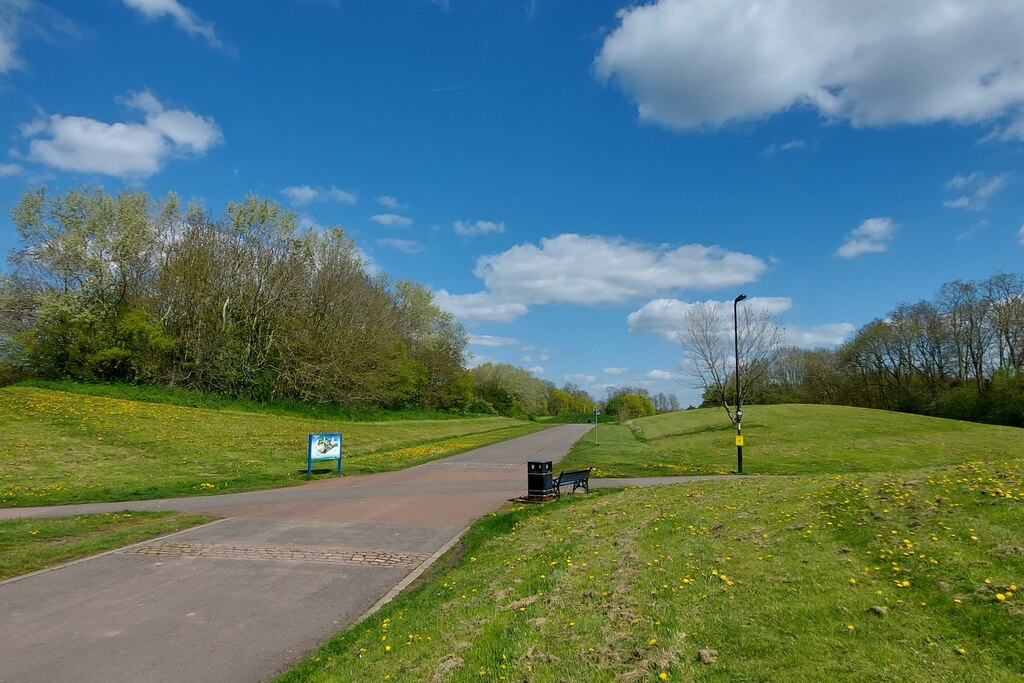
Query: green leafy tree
x: 629, y: 406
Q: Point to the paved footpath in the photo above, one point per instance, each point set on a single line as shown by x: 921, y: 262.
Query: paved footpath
x: 243, y: 598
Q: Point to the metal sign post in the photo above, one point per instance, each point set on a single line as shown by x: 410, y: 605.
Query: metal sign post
x: 597, y: 414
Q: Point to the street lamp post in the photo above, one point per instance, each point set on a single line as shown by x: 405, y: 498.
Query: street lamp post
x: 739, y: 400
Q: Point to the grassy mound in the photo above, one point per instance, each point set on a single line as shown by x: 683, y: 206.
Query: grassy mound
x: 913, y: 578
x: 789, y: 439
x: 58, y: 447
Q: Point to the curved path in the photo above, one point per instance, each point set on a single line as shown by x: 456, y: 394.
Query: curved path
x: 243, y: 598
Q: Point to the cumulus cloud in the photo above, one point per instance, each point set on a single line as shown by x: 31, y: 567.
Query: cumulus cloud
x: 870, y: 237
x: 829, y: 334
x: 301, y: 194
x: 580, y: 269
x: 78, y: 143
x: 392, y: 220
x: 704, y: 63
x: 659, y: 374
x: 479, y: 307
x: 470, y: 228
x: 406, y: 246
x: 1020, y: 235
x: 664, y: 316
x: 492, y: 341
x: 391, y: 203
x: 9, y: 170
x: 979, y: 187
x: 537, y: 370
x: 578, y: 377
x: 588, y: 270
x: 615, y: 371
x: 307, y: 194
x: 186, y: 19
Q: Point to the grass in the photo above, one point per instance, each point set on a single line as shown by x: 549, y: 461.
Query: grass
x: 843, y: 577
x: 28, y: 545
x: 58, y: 447
x: 155, y: 393
x: 789, y: 439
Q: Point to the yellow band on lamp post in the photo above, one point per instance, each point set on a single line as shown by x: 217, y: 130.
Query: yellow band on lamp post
x: 739, y: 440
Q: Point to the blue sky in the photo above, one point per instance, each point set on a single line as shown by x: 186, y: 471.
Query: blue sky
x: 566, y: 176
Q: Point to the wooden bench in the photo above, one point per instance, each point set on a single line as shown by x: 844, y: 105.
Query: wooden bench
x: 578, y: 479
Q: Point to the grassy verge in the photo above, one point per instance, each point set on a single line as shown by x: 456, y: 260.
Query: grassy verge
x: 789, y: 439
x: 153, y: 393
x: 838, y: 578
x: 28, y: 545
x: 58, y: 447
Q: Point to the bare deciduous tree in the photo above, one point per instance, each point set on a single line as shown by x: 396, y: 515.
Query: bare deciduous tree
x: 706, y: 335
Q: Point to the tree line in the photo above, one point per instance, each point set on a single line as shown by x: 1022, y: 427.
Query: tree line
x: 128, y: 288
x: 959, y: 355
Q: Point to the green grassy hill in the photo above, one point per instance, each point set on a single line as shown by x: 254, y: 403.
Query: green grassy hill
x: 58, y: 447
x: 841, y: 578
x: 790, y: 439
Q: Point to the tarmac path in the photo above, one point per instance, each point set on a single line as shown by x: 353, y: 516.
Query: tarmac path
x: 243, y: 598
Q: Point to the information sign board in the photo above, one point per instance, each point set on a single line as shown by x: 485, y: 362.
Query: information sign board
x: 323, y: 447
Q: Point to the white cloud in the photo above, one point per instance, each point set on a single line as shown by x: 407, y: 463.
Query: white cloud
x: 665, y: 316
x: 698, y: 63
x: 578, y: 377
x: 474, y: 360
x: 537, y: 370
x: 301, y: 194
x: 1020, y: 235
x: 342, y: 196
x: 481, y: 306
x: 659, y: 374
x: 10, y: 16
x: 306, y: 194
x: 615, y: 371
x: 407, y: 246
x: 829, y: 334
x: 186, y: 19
x: 391, y: 203
x: 370, y: 266
x: 78, y: 143
x: 467, y: 228
x: 9, y: 170
x: 492, y: 341
x: 971, y: 231
x: 391, y: 220
x: 784, y: 147
x: 870, y: 237
x: 980, y: 187
x: 581, y: 269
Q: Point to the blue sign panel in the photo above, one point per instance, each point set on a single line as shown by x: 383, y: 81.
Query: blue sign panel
x: 323, y: 447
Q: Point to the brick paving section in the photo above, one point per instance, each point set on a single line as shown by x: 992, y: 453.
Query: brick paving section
x: 373, y: 558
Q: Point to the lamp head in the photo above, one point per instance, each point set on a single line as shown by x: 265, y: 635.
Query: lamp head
x: 740, y: 298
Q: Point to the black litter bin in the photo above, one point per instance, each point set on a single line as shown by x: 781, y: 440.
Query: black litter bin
x: 538, y: 480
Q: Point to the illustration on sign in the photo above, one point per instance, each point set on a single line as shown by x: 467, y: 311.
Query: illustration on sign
x: 323, y: 447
